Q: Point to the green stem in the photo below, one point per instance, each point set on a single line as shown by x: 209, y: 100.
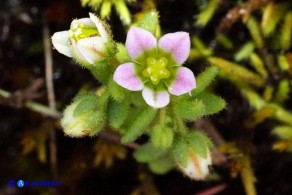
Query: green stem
x: 5, y: 94
x: 162, y: 115
x: 34, y: 106
x: 42, y: 109
x: 179, y: 122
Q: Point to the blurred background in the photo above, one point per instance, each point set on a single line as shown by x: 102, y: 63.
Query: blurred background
x: 250, y: 157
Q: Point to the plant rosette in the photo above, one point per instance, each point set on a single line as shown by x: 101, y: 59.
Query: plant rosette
x: 155, y: 66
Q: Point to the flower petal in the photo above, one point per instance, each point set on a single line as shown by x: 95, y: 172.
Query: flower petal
x: 185, y: 81
x: 125, y: 77
x: 139, y: 40
x: 61, y: 42
x: 84, y: 21
x: 92, y: 49
x: 155, y: 99
x: 101, y: 26
x: 178, y: 44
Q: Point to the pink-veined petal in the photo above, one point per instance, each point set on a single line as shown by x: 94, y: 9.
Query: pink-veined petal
x: 185, y: 82
x: 155, y: 99
x: 178, y: 44
x: 92, y: 49
x: 61, y: 42
x: 139, y: 40
x: 125, y: 76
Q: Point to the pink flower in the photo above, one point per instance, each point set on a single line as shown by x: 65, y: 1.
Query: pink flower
x: 156, y: 66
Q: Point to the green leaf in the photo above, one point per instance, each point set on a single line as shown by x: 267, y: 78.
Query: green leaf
x: 105, y: 9
x: 236, y: 72
x: 199, y: 143
x: 205, y: 78
x: 202, y: 48
x: 286, y: 32
x: 116, y: 91
x: 123, y: 11
x: 161, y: 136
x: 283, y: 62
x: 138, y: 126
x: 189, y: 109
x: 258, y: 65
x: 101, y: 71
x: 149, y: 22
x: 255, y: 32
x: 117, y: 112
x: 96, y: 122
x: 180, y: 151
x: 224, y: 41
x: 212, y: 103
x: 282, y: 114
x: 87, y: 103
x: 207, y: 13
x: 122, y: 54
x: 283, y: 91
x: 161, y: 165
x: 148, y: 153
x: 283, y: 132
x: 244, y: 52
x: 272, y: 15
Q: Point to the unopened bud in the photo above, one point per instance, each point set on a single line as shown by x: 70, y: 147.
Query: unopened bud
x: 83, y: 117
x: 197, y: 167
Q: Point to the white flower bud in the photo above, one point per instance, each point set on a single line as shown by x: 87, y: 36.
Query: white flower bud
x: 88, y: 41
x: 197, y: 168
x: 84, y: 117
x: 73, y: 126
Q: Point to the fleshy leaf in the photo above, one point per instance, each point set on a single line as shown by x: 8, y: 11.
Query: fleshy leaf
x: 205, y: 78
x: 283, y: 132
x: 180, y: 151
x: 178, y: 44
x: 149, y: 22
x: 148, y: 153
x: 162, y: 136
x: 116, y: 91
x: 87, y: 103
x: 207, y: 13
x: 122, y: 54
x: 125, y: 76
x: 139, y: 124
x: 237, y: 72
x: 117, y: 112
x: 199, y: 143
x: 161, y: 165
x: 189, y: 109
x: 245, y: 51
x: 212, y: 103
x: 138, y: 40
x: 123, y: 11
x: 96, y: 121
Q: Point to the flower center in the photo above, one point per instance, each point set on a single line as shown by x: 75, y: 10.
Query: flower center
x: 156, y: 69
x: 81, y: 31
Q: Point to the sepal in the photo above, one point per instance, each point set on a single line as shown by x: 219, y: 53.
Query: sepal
x: 85, y: 116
